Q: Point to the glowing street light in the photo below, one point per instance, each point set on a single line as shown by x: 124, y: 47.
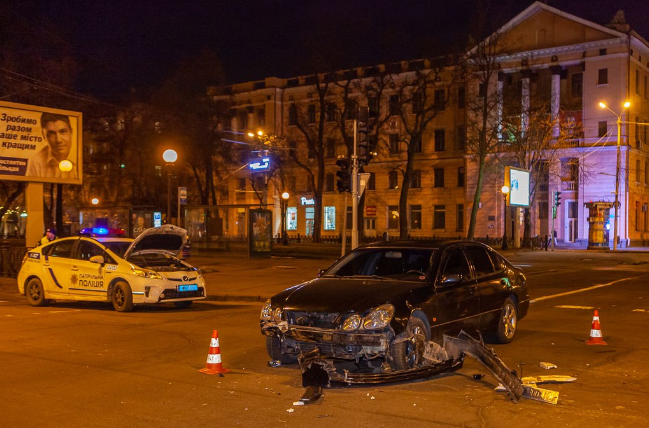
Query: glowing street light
x: 505, y: 192
x: 65, y: 165
x: 169, y: 156
x: 94, y: 201
x: 626, y: 105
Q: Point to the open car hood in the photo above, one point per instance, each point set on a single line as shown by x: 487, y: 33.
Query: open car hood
x: 168, y: 239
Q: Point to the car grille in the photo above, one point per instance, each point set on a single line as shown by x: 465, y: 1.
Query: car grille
x: 313, y: 319
x: 173, y: 294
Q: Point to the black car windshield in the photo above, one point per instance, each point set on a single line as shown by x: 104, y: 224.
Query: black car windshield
x: 394, y: 263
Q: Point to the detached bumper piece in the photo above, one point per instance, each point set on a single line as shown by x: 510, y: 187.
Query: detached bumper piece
x: 320, y: 372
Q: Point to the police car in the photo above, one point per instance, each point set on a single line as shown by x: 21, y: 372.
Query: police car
x: 123, y: 271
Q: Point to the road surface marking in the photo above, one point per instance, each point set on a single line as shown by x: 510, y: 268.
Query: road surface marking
x: 574, y: 307
x: 567, y: 293
x: 639, y: 310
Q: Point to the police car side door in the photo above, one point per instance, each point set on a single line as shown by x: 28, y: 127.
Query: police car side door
x: 56, y: 265
x: 86, y: 278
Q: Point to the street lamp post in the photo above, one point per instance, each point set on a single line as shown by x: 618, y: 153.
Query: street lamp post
x: 616, y: 204
x: 505, y: 192
x: 169, y: 156
x: 285, y: 197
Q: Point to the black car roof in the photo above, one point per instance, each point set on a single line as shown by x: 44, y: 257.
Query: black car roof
x: 419, y: 243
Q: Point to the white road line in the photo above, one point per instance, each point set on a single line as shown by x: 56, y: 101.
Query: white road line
x: 567, y: 293
x: 574, y: 307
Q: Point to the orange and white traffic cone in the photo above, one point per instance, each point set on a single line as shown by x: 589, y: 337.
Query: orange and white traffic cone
x: 214, y: 365
x: 596, y: 331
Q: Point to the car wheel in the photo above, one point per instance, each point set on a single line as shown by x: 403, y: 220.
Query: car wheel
x: 35, y: 293
x: 407, y: 354
x: 507, y: 322
x: 122, y: 297
x: 274, y: 349
x: 184, y: 304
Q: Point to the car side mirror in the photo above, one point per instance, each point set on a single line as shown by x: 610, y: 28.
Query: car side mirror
x: 320, y: 272
x: 451, y: 278
x: 97, y: 259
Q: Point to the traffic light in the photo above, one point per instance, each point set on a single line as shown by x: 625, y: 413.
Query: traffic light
x: 344, y: 175
x: 557, y: 198
x: 362, y: 138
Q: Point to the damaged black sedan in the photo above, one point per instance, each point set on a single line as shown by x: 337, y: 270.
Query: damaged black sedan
x: 382, y: 304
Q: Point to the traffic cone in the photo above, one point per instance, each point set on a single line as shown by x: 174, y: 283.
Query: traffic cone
x: 596, y: 331
x: 213, y: 365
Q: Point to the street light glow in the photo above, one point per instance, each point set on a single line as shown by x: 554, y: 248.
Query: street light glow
x: 285, y: 196
x: 504, y: 190
x: 602, y: 105
x: 170, y: 156
x: 627, y: 104
x: 95, y: 201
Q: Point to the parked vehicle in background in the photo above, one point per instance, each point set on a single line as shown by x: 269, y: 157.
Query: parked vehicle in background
x: 123, y: 271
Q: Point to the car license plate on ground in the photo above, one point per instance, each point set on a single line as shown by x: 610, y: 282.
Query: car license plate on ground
x: 192, y: 287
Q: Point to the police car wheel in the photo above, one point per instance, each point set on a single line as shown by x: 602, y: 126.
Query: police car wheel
x: 35, y: 293
x: 184, y: 304
x: 122, y: 297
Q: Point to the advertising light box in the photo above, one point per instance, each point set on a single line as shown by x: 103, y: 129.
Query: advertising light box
x: 518, y: 181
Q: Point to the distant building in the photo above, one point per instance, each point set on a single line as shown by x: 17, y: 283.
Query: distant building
x: 554, y: 57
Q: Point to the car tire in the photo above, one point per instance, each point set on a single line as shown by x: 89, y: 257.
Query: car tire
x: 35, y: 292
x: 184, y: 304
x: 274, y: 349
x: 507, y: 322
x: 407, y: 354
x: 122, y: 297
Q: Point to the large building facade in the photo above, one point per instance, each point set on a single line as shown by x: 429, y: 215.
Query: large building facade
x: 551, y: 58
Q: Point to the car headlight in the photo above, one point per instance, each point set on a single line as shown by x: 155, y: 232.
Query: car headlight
x: 146, y: 273
x: 352, y: 323
x: 266, y: 311
x: 379, y: 317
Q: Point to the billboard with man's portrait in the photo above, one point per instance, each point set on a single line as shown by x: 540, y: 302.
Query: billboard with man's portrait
x: 40, y: 144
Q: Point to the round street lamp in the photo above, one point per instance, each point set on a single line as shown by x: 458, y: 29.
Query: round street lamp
x: 285, y: 197
x: 505, y: 192
x: 94, y: 201
x: 625, y: 106
x: 65, y: 165
x: 169, y: 156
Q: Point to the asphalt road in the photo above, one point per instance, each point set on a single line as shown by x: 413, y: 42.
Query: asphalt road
x: 84, y: 365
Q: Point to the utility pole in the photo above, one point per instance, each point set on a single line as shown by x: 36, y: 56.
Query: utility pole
x: 355, y: 190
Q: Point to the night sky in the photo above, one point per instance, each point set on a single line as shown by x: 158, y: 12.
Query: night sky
x: 135, y: 43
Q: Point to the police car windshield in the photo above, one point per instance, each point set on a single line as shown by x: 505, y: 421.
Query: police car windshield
x: 118, y: 248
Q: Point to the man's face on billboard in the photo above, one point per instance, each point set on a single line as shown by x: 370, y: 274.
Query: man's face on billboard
x: 59, y: 137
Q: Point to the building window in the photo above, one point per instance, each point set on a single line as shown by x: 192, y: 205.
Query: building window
x: 543, y: 210
x: 440, y: 140
x: 572, y: 210
x: 646, y: 173
x: 459, y: 220
x: 439, y: 177
x: 460, y: 177
x: 576, y: 84
x: 261, y: 117
x: 439, y: 217
x: 645, y: 87
x: 292, y: 115
x: 291, y: 218
x: 415, y: 180
x: 602, y: 76
x: 482, y: 90
x: 645, y: 210
x: 393, y: 217
x: 291, y: 184
x: 393, y: 180
x: 370, y: 223
x: 309, y: 185
x: 417, y: 104
x: 393, y: 144
x: 371, y: 183
x: 394, y: 105
x: 461, y: 137
x: 331, y: 148
x: 331, y: 112
x: 329, y: 183
x: 310, y: 113
x: 415, y: 216
x: 461, y: 97
x: 638, y: 171
x: 602, y: 129
x: 417, y: 145
x: 373, y: 105
x: 440, y: 100
x: 637, y: 81
x: 329, y: 218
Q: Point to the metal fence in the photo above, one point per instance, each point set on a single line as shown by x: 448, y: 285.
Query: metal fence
x: 11, y: 257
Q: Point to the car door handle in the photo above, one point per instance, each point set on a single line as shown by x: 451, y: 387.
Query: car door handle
x: 75, y: 268
x: 503, y: 282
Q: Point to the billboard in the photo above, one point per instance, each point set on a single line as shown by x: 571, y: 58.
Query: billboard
x: 518, y: 181
x: 40, y: 144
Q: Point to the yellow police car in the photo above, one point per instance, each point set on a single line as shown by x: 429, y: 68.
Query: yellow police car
x: 123, y: 271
